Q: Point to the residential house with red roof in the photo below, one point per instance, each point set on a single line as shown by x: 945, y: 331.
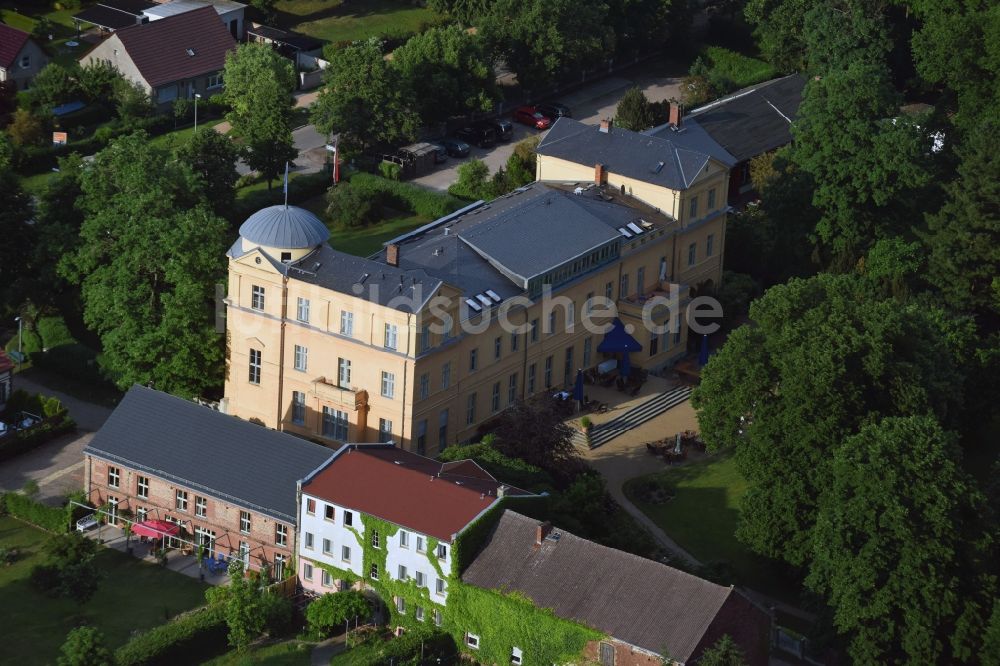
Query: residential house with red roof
x: 20, y: 57
x: 175, y: 57
x: 380, y: 497
x: 438, y: 543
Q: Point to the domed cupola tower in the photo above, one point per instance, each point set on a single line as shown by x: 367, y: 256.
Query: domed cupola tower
x: 285, y: 233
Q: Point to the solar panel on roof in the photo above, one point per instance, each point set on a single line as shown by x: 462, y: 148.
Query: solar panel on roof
x: 494, y: 295
x: 636, y: 228
x: 472, y: 304
x: 624, y: 232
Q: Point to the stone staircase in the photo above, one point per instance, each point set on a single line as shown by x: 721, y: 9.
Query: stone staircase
x: 641, y: 413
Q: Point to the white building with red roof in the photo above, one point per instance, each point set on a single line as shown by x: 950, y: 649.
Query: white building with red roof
x: 381, y: 497
x: 20, y: 57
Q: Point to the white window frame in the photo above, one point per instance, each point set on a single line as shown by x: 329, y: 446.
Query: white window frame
x: 301, y: 358
x: 328, y: 547
x: 327, y: 579
x: 404, y: 539
x: 302, y: 310
x: 114, y: 477
x: 403, y: 573
x: 245, y: 522
x: 280, y: 535
x: 307, y: 571
x: 388, y: 384
x: 142, y: 487
x: 344, y: 372
x: 310, y: 540
x: 472, y: 640
x: 347, y: 323
x: 181, y: 500
x: 391, y: 339
x: 345, y: 553
x: 257, y: 295
x: 200, y: 506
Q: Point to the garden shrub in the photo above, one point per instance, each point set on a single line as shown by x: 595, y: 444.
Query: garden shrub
x: 505, y: 469
x: 331, y: 611
x: 51, y: 518
x: 389, y: 170
x: 740, y: 70
x: 412, y: 198
x: 201, y: 632
x: 55, y: 421
x: 348, y: 206
x: 30, y: 342
x: 54, y: 332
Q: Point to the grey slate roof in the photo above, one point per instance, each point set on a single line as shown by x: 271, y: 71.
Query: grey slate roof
x: 751, y: 121
x: 638, y: 601
x: 404, y: 290
x: 215, y: 454
x: 683, y: 154
x: 519, y: 235
x: 288, y: 227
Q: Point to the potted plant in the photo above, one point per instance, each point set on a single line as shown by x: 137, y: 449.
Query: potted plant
x: 588, y: 425
x: 201, y: 561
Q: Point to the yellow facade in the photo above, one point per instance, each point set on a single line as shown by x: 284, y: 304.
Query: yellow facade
x: 434, y: 395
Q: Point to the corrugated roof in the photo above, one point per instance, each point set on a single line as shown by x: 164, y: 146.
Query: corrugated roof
x: 12, y: 41
x: 638, y: 601
x: 161, y: 50
x: 672, y: 161
x: 752, y: 121
x: 286, y: 227
x: 407, y: 489
x: 222, y: 456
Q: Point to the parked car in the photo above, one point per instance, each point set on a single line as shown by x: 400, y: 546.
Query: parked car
x: 478, y: 135
x: 554, y: 111
x: 455, y: 147
x: 503, y: 128
x: 531, y: 117
x: 440, y: 153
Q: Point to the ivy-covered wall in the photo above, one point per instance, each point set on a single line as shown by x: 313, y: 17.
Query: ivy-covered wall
x: 502, y: 621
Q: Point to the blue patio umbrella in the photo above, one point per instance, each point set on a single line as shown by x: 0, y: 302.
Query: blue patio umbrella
x: 618, y: 340
x: 703, y: 354
x: 578, y: 386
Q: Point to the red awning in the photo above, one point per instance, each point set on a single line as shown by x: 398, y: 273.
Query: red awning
x: 156, y: 529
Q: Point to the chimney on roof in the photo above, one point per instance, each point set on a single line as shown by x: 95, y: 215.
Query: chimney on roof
x: 676, y: 115
x: 606, y: 124
x: 600, y: 174
x: 392, y: 254
x: 542, y: 531
x: 501, y: 491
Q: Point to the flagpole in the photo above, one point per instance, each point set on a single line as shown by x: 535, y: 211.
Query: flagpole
x: 286, y: 184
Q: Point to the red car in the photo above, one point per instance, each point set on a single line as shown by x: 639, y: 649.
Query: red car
x: 530, y: 116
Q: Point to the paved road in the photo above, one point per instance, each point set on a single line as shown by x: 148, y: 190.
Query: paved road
x: 659, y: 79
x: 57, y: 466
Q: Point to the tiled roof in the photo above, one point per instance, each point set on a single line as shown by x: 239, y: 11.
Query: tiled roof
x: 638, y: 601
x: 222, y: 456
x: 668, y: 160
x: 407, y: 489
x: 162, y: 50
x: 12, y: 41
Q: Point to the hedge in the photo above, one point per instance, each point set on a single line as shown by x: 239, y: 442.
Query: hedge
x: 300, y: 188
x: 412, y: 198
x: 54, y: 332
x: 51, y: 518
x: 202, y: 632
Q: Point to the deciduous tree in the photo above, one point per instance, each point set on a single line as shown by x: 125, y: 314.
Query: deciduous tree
x: 535, y: 432
x: 212, y: 157
x: 888, y: 540
x: 150, y: 254
x: 823, y: 357
x: 26, y: 128
x: 55, y: 84
x: 331, y: 611
x: 447, y: 73
x: 18, y: 236
x: 259, y: 87
x: 725, y: 652
x: 363, y: 99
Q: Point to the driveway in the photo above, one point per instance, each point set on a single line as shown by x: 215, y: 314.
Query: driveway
x: 57, y: 466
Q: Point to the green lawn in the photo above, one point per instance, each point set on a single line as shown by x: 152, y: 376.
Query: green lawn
x: 365, y: 241
x: 22, y: 16
x: 287, y: 653
x: 702, y: 517
x: 175, y: 138
x: 133, y: 595
x: 336, y: 21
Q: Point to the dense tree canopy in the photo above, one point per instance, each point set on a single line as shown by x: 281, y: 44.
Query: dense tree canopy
x: 150, y: 254
x: 823, y: 357
x: 539, y: 39
x: 364, y: 100
x: 18, y: 235
x: 212, y: 157
x: 633, y: 112
x: 447, y: 73
x: 888, y: 541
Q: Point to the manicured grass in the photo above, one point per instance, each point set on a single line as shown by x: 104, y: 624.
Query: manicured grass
x: 336, y: 21
x: 133, y: 595
x: 742, y: 70
x: 287, y: 653
x: 702, y: 517
x: 23, y: 16
x: 177, y: 137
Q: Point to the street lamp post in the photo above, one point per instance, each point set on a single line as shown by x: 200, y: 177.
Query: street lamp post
x: 196, y: 98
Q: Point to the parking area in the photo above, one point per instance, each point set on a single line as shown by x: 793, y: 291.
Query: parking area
x: 659, y: 79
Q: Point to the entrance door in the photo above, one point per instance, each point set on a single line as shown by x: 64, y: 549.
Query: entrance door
x: 232, y: 29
